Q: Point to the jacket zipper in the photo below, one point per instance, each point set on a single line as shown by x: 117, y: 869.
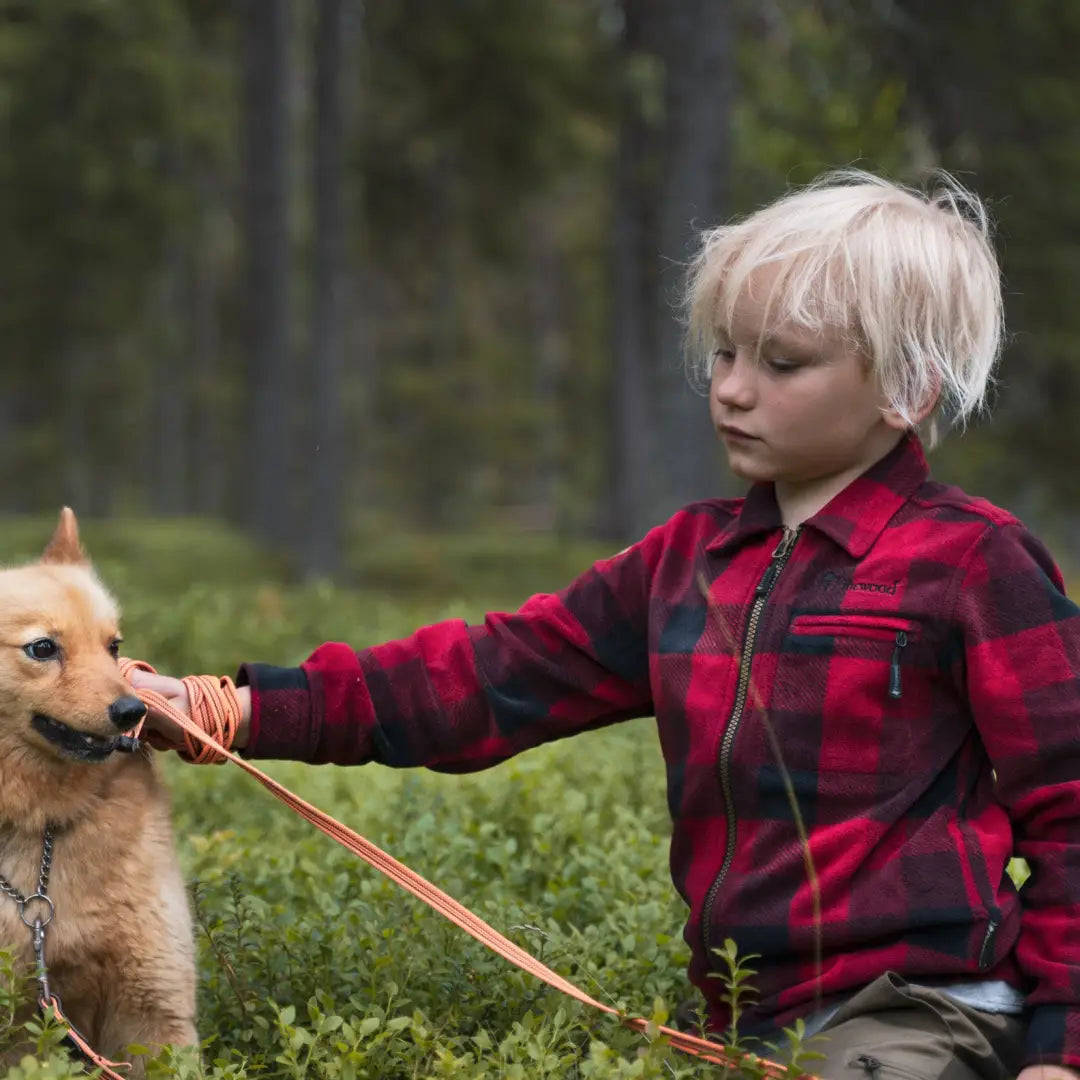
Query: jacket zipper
x: 777, y: 561
x: 894, y: 668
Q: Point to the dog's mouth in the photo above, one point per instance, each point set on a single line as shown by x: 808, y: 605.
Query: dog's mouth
x: 81, y: 745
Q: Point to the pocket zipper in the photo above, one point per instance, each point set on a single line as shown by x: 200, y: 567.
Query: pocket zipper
x: 895, y: 690
x: 988, y: 941
x: 893, y: 628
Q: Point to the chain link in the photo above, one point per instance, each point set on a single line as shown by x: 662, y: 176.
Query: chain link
x: 46, y: 865
x: 10, y: 890
x: 46, y: 862
x: 37, y: 927
x: 43, y: 874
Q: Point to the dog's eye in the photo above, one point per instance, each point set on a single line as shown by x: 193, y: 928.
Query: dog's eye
x: 114, y: 649
x: 42, y: 649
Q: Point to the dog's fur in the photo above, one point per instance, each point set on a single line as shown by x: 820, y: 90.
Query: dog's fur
x: 119, y: 950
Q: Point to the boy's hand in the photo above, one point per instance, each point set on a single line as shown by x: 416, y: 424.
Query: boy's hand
x: 164, y: 734
x: 1048, y: 1072
x: 158, y: 730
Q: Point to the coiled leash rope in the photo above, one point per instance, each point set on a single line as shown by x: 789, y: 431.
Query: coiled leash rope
x: 215, y: 716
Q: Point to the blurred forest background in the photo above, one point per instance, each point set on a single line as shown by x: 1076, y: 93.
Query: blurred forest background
x: 329, y: 269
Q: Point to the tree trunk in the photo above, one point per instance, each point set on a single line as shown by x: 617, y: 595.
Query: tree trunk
x: 694, y: 193
x: 266, y: 454
x: 209, y: 471
x: 549, y: 341
x: 18, y: 422
x: 364, y: 289
x: 323, y: 540
x: 75, y: 434
x: 632, y: 437
x: 440, y: 463
x: 170, y: 389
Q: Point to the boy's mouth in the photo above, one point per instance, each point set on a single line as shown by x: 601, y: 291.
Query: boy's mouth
x: 80, y: 745
x: 735, y: 433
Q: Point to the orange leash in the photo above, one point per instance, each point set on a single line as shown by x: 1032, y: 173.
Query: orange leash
x: 77, y: 1040
x: 215, y: 708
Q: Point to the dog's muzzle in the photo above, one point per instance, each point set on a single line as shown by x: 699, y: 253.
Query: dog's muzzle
x: 125, y: 712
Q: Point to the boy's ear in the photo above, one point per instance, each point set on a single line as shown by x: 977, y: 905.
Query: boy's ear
x: 893, y: 418
x: 64, y: 547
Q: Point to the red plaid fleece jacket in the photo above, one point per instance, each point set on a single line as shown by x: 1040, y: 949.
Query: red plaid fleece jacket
x: 907, y: 657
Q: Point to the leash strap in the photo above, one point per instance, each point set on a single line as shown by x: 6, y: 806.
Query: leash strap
x: 78, y: 1044
x: 408, y: 879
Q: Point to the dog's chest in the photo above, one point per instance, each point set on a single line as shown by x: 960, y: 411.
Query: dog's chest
x: 20, y: 869
x: 74, y: 915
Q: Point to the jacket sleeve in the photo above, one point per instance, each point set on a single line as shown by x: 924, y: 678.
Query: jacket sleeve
x: 458, y: 698
x: 1022, y: 654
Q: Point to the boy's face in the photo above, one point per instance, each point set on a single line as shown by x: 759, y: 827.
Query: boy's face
x: 795, y: 407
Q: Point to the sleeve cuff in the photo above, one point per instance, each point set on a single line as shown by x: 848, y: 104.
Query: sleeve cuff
x: 1053, y: 1037
x: 282, y: 716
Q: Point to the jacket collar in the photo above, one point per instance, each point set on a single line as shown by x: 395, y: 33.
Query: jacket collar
x: 855, y: 517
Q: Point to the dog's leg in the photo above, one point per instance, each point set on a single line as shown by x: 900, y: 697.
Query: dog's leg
x: 154, y: 1005
x: 153, y: 1015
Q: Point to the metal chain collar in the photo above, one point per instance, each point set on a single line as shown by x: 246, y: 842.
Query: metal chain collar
x: 37, y: 926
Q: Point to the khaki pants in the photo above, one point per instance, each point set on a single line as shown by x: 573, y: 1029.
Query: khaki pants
x: 891, y: 1030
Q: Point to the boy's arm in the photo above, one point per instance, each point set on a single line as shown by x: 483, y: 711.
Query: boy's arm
x: 1022, y: 656
x: 458, y: 698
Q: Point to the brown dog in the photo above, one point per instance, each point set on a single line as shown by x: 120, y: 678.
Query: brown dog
x: 119, y: 947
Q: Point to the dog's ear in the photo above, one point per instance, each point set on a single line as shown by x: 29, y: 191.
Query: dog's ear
x: 64, y: 547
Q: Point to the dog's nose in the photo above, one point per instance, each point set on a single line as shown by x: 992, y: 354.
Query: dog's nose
x: 125, y: 712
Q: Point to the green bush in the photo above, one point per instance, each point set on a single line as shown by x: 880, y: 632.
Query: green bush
x: 314, y: 965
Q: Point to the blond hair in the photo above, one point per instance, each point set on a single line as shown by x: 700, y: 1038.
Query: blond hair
x: 909, y: 278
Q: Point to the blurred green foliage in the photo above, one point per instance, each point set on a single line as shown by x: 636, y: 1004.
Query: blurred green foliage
x: 480, y: 150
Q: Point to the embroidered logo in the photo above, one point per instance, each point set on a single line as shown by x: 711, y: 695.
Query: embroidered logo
x: 832, y: 578
x: 875, y: 587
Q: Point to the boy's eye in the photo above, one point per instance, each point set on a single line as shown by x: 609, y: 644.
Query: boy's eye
x: 725, y: 353
x: 42, y: 649
x: 782, y: 365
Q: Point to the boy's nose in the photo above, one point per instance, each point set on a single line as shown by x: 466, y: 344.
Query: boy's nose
x: 125, y: 712
x: 733, y: 383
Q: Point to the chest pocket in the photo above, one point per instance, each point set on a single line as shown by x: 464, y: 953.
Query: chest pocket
x: 851, y: 689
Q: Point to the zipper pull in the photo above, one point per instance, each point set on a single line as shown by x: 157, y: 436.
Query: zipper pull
x: 780, y: 553
x: 787, y: 542
x: 894, y: 667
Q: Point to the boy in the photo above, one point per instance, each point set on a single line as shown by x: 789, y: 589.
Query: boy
x: 853, y: 650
